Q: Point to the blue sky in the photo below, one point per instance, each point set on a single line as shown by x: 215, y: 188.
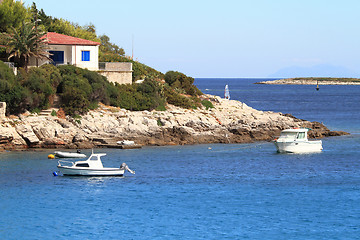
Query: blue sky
x: 229, y: 38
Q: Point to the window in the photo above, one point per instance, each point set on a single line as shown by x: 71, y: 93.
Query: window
x: 82, y: 165
x: 85, y: 56
x: 301, y: 135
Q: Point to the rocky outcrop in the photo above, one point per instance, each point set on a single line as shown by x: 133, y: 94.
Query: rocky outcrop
x: 229, y: 121
x: 311, y: 81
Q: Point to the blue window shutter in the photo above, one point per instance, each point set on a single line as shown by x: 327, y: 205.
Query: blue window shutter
x: 85, y: 55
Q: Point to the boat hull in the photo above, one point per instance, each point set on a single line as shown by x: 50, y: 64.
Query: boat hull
x: 72, y: 171
x: 299, y: 147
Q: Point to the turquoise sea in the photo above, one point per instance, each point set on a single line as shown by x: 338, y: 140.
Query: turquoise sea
x: 210, y: 191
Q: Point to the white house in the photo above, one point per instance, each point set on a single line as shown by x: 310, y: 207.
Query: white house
x: 83, y: 53
x: 65, y: 49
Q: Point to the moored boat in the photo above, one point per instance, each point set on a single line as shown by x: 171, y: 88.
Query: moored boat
x: 125, y: 142
x: 77, y: 154
x: 296, y: 141
x: 91, y: 167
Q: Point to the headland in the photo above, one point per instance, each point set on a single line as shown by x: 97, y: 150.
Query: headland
x: 230, y: 121
x: 314, y: 81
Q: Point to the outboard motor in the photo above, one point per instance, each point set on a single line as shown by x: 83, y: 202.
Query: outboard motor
x: 124, y: 166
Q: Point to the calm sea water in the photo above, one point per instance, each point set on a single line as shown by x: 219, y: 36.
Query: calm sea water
x: 210, y: 191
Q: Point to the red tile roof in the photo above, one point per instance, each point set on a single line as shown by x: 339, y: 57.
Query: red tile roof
x: 61, y: 39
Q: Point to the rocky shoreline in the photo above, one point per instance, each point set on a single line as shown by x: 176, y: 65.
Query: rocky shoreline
x: 230, y: 121
x: 308, y: 81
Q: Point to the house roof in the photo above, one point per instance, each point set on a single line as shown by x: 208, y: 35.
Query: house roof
x: 61, y: 39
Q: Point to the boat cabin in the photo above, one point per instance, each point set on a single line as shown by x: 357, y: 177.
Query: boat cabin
x: 93, y: 161
x: 299, y: 134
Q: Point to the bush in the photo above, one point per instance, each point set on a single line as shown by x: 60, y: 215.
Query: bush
x: 40, y: 85
x: 11, y: 91
x: 81, y: 90
x: 207, y: 104
x: 90, y: 85
x: 176, y: 99
x: 74, y: 101
x: 179, y: 80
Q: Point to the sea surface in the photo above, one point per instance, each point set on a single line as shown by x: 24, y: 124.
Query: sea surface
x: 209, y: 191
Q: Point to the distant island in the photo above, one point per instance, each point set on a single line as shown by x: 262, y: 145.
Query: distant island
x: 314, y: 81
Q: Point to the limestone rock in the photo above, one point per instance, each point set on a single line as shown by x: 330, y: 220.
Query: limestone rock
x: 26, y: 132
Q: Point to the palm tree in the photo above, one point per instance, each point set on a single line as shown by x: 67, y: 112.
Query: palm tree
x: 24, y: 43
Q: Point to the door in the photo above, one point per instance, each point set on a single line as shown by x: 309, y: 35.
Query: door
x: 57, y: 57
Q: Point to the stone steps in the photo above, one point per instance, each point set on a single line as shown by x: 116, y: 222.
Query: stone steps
x: 47, y: 112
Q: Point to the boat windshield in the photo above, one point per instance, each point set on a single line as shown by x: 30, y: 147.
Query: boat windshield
x: 288, y: 135
x: 93, y: 158
x: 301, y: 135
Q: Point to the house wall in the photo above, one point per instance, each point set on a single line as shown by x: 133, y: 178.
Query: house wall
x: 93, y: 64
x: 72, y: 55
x: 67, y: 55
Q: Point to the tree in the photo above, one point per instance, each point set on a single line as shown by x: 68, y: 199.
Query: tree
x: 108, y: 47
x: 12, y: 14
x: 24, y: 43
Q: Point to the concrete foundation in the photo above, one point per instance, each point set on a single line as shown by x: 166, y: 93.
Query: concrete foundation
x: 117, y: 72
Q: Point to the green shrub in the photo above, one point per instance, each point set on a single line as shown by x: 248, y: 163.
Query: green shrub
x: 93, y: 105
x: 179, y: 80
x: 90, y: 85
x: 38, y: 82
x: 160, y: 108
x: 81, y: 90
x: 176, y: 99
x: 74, y: 101
x: 207, y: 104
x: 11, y: 91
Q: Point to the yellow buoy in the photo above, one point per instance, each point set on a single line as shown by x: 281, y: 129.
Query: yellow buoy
x: 51, y: 156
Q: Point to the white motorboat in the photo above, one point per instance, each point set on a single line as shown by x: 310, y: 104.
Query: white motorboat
x: 125, y: 142
x: 91, y: 167
x: 296, y: 141
x: 77, y: 154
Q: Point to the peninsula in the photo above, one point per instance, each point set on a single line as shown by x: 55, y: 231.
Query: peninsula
x: 229, y: 121
x: 314, y: 81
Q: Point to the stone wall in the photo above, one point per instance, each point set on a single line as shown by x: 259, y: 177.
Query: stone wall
x: 120, y: 77
x: 120, y: 72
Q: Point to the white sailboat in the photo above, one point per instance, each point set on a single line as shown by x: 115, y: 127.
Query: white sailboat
x: 227, y: 92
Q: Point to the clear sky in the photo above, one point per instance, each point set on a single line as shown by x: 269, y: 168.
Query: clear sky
x: 228, y: 38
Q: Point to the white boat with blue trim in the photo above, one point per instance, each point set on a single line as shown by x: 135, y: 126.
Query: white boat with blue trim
x: 296, y: 141
x: 91, y: 167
